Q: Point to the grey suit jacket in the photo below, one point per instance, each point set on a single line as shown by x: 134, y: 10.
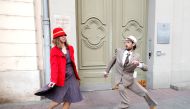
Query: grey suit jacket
x: 124, y: 75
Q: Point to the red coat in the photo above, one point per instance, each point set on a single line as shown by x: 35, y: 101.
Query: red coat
x: 58, y: 65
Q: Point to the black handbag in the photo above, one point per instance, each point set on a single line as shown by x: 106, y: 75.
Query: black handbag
x: 44, y: 90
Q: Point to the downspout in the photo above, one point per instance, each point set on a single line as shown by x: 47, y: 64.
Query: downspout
x: 46, y: 33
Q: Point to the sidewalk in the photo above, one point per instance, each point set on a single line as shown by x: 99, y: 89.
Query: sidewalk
x: 166, y: 98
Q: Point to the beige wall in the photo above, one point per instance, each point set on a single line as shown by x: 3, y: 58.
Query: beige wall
x: 162, y: 64
x: 180, y: 43
x: 173, y: 66
x: 65, y: 9
x: 19, y: 65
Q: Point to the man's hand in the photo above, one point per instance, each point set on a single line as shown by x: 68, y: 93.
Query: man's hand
x: 135, y: 62
x: 105, y: 74
x: 51, y: 84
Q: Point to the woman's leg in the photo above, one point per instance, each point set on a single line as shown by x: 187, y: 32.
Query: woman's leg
x: 66, y: 105
x: 53, y: 104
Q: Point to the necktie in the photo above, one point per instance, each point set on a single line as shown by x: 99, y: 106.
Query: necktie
x: 126, y: 60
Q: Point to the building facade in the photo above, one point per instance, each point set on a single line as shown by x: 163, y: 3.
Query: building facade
x: 95, y: 28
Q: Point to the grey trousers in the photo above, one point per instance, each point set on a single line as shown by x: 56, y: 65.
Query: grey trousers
x: 137, y: 89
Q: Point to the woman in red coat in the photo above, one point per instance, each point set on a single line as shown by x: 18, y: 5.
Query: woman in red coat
x: 64, y: 75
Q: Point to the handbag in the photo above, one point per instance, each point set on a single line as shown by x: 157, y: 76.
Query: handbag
x: 44, y: 90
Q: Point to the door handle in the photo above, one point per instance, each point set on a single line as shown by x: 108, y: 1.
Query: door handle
x: 149, y: 54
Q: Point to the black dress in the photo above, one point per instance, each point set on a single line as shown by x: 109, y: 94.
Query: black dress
x: 70, y: 92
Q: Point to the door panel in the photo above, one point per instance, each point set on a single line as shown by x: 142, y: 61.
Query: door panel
x: 102, y: 26
x: 93, y: 23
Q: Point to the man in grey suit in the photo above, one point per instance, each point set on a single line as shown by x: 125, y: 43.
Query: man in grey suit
x: 126, y: 61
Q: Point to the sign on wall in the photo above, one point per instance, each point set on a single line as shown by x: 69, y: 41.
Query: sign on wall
x: 163, y: 33
x: 62, y: 21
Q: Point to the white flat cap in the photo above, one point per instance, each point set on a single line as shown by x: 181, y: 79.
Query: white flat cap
x: 132, y: 38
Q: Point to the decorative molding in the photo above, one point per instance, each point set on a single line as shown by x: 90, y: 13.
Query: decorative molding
x: 87, y: 5
x: 133, y: 28
x: 93, y: 33
x: 129, y: 12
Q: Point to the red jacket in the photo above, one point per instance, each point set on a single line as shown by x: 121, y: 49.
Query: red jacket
x: 58, y: 65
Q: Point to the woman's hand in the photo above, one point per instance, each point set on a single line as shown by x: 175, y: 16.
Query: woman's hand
x: 51, y: 84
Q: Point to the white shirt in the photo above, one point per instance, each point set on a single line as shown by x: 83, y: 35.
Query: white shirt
x: 125, y: 55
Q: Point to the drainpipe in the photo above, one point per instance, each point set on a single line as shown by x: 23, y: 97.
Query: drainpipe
x: 46, y: 33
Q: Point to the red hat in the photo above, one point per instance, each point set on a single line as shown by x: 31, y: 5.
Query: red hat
x: 57, y: 32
